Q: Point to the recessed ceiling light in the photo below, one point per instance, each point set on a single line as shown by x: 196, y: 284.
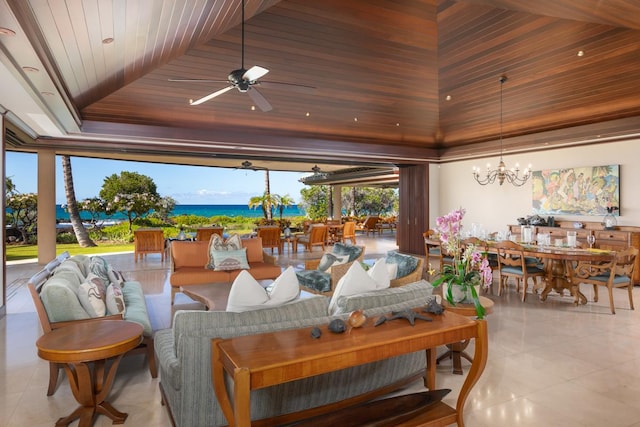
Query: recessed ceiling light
x: 107, y: 40
x: 581, y: 53
x: 355, y: 119
x: 448, y: 98
x: 253, y: 108
x: 30, y: 69
x: 307, y: 114
x: 7, y: 32
x: 397, y: 124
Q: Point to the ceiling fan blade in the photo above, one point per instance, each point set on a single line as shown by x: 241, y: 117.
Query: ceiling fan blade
x: 259, y: 100
x: 198, y: 80
x: 288, y: 86
x: 254, y: 73
x: 212, y: 95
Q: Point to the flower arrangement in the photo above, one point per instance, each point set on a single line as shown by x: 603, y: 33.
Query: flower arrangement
x: 470, y: 267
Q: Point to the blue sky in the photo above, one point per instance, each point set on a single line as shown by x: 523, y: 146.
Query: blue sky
x: 186, y: 184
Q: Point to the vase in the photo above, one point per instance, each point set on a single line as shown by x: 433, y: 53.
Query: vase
x: 609, y: 221
x: 459, y: 294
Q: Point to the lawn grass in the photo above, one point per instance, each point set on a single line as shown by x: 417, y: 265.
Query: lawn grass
x: 21, y: 252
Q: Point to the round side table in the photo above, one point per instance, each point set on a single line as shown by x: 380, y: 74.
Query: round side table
x: 80, y: 345
x: 456, y: 351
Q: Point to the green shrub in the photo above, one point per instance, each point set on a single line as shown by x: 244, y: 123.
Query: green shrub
x: 66, y: 238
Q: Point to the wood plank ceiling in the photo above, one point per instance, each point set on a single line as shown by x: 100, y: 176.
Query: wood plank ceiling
x: 398, y: 82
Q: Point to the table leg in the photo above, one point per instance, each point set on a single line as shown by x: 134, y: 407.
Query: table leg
x: 456, y: 352
x: 560, y: 277
x: 90, y: 389
x: 579, y: 297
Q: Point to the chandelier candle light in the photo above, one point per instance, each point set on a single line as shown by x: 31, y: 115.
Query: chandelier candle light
x: 501, y: 173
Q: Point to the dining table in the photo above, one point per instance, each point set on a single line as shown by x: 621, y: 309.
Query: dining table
x: 560, y: 263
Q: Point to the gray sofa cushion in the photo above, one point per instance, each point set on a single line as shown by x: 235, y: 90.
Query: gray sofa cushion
x: 418, y: 293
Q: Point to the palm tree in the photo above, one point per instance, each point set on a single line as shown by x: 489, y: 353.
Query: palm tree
x: 283, y: 202
x: 267, y: 196
x: 72, y: 206
x: 258, y: 201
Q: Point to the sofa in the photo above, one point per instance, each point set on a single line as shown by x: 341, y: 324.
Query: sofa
x: 57, y: 295
x: 184, y: 356
x: 189, y: 262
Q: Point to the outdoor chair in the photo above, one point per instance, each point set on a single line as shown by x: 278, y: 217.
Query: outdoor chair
x: 316, y: 237
x: 614, y: 274
x: 513, y: 263
x: 205, y: 233
x: 148, y: 241
x: 369, y: 225
x: 348, y: 232
x: 270, y: 237
x: 432, y: 250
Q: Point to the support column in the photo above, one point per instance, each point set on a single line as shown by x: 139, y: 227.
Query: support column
x: 46, y: 206
x: 337, y: 201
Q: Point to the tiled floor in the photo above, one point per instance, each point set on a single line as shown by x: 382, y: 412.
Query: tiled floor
x: 550, y: 364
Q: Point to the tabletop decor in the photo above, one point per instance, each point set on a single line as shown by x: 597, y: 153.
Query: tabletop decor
x: 470, y: 268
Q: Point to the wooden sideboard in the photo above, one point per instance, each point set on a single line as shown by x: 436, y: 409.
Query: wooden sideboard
x: 620, y: 238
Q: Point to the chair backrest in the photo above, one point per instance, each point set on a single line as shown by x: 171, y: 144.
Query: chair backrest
x: 334, y: 222
x: 149, y: 240
x: 349, y: 229
x: 370, y: 222
x: 318, y: 233
x: 205, y: 233
x: 510, y: 254
x: 270, y: 236
x: 625, y: 262
x: 35, y: 284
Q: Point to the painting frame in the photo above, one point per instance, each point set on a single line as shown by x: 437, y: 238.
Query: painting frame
x: 584, y: 191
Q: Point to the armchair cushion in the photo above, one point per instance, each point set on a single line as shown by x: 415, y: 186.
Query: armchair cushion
x: 406, y: 264
x: 419, y: 292
x: 317, y: 280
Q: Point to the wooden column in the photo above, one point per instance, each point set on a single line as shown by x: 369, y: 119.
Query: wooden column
x: 413, y: 217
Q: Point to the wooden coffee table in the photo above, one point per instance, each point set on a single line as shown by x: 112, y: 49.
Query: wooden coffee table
x: 212, y: 295
x: 81, y: 344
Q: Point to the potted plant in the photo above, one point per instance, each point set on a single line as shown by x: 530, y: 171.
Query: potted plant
x: 470, y: 270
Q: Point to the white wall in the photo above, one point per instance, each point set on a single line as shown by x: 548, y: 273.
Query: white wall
x: 495, y: 206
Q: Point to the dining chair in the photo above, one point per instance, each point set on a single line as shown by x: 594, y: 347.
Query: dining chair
x: 432, y: 250
x: 616, y: 273
x: 270, y: 237
x: 513, y: 263
x: 316, y: 237
x: 148, y: 241
x: 348, y: 232
x: 205, y: 233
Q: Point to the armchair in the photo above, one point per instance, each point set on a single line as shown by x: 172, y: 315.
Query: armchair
x: 270, y: 237
x: 369, y: 224
x: 317, y: 236
x: 205, y: 233
x: 148, y: 241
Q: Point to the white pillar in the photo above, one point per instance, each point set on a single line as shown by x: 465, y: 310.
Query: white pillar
x: 3, y: 273
x: 46, y: 206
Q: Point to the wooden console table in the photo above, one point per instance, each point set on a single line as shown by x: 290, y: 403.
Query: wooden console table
x: 263, y: 360
x: 81, y: 343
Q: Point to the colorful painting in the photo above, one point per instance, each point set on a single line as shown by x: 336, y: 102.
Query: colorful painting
x: 577, y: 191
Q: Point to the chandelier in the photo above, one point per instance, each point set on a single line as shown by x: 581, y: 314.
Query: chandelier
x: 501, y: 173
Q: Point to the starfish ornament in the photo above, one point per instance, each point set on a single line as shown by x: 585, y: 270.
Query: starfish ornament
x: 410, y: 315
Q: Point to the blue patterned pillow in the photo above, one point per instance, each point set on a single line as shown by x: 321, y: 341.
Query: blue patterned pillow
x: 406, y: 263
x: 351, y: 250
x: 230, y: 260
x: 316, y: 280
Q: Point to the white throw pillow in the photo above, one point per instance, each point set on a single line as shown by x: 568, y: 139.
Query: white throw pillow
x: 115, y: 299
x: 247, y: 294
x: 380, y: 273
x: 392, y: 269
x: 355, y: 281
x: 91, y: 298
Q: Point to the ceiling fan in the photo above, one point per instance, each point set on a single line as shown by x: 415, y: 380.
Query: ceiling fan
x: 244, y: 80
x: 248, y: 165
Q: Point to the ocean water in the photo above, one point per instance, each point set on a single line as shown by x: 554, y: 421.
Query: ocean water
x: 199, y: 210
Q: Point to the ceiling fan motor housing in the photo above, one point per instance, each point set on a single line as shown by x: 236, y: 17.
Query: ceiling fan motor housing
x: 235, y: 77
